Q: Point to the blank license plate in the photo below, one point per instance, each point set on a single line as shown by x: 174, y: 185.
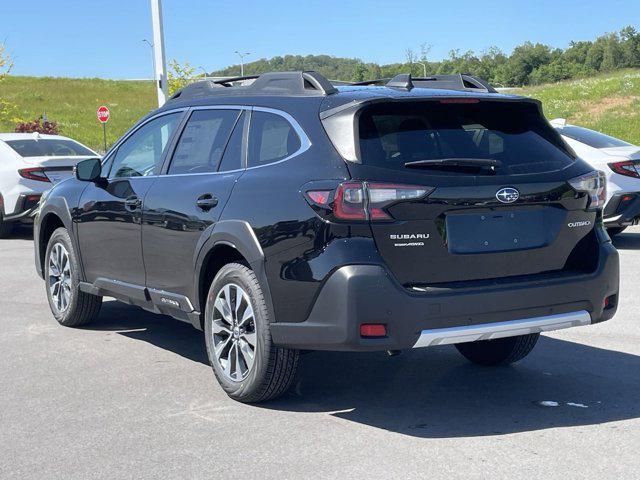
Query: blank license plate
x: 496, y: 232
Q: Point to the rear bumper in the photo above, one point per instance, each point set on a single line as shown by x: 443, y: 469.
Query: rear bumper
x: 619, y: 213
x: 358, y: 294
x: 26, y: 207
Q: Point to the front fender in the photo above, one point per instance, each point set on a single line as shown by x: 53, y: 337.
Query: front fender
x: 57, y: 204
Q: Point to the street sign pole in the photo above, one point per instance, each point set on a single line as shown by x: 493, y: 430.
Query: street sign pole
x: 162, y: 85
x: 103, y: 114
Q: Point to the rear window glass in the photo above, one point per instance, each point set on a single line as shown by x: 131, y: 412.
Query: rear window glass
x: 592, y: 138
x: 48, y: 148
x: 515, y: 134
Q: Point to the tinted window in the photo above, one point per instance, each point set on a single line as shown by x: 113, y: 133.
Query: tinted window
x: 232, y: 158
x: 202, y: 141
x: 49, y: 148
x: 141, y: 154
x: 591, y: 138
x: 271, y: 138
x: 513, y: 133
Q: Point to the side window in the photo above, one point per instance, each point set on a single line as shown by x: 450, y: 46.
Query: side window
x: 271, y: 138
x: 232, y: 158
x: 140, y: 155
x: 202, y: 141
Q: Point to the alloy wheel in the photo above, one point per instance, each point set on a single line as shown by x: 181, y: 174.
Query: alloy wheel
x: 234, y: 332
x: 60, y: 277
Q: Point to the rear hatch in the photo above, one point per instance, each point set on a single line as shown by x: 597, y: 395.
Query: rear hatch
x: 494, y: 198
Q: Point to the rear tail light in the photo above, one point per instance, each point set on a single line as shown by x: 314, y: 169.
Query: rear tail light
x: 595, y: 185
x: 362, y: 201
x: 628, y: 168
x: 34, y: 174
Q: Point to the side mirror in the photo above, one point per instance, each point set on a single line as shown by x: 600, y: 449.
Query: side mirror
x: 89, y: 170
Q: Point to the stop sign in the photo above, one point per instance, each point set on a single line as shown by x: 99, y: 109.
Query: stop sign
x: 103, y: 114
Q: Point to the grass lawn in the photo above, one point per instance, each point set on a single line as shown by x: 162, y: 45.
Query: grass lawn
x: 609, y: 103
x: 73, y: 102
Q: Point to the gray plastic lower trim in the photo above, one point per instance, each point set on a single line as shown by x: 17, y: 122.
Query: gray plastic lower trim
x: 512, y: 328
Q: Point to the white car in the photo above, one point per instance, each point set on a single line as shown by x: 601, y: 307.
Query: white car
x: 30, y: 163
x: 620, y: 162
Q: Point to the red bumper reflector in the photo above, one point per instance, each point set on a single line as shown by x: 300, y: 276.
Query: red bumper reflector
x: 33, y: 198
x: 373, y: 330
x: 609, y: 302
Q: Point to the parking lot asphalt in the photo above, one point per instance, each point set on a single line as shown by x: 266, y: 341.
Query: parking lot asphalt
x: 132, y: 396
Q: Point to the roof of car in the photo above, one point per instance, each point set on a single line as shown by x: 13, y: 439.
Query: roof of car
x: 273, y: 88
x: 31, y: 136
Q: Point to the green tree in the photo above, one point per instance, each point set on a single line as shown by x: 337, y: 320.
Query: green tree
x: 524, y: 60
x: 359, y: 73
x: 630, y: 46
x: 612, y: 55
x: 179, y: 75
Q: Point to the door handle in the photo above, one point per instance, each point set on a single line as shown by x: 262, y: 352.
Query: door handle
x: 132, y: 203
x: 206, y: 202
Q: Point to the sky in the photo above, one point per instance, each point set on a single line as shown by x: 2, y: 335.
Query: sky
x: 103, y: 38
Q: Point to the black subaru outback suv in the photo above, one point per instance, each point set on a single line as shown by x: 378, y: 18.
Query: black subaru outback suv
x: 285, y: 213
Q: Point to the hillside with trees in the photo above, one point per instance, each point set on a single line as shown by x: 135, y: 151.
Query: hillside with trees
x: 528, y: 64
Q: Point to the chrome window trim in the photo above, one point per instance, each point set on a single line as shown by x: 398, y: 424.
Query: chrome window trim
x: 305, y: 143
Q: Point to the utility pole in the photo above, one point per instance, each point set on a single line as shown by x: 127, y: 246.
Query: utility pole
x: 206, y: 74
x: 242, y: 55
x: 160, y: 64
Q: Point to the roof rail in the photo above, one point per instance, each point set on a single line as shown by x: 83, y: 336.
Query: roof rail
x: 462, y: 82
x: 273, y: 83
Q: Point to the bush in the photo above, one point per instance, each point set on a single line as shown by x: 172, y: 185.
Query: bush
x: 49, y: 128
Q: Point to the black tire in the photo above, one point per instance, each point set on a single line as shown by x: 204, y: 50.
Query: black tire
x: 5, y: 227
x: 613, y: 231
x: 501, y: 351
x: 273, y: 368
x: 82, y: 307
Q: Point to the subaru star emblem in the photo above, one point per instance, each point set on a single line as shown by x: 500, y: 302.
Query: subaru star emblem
x: 507, y: 195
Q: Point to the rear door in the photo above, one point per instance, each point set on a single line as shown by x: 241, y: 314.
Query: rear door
x: 109, y: 216
x: 184, y: 203
x: 516, y: 217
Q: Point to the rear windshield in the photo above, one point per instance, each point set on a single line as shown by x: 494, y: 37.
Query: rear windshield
x: 515, y: 134
x: 48, y: 148
x: 591, y: 138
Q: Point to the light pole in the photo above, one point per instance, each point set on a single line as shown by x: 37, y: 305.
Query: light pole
x: 424, y: 67
x: 159, y: 60
x: 242, y: 55
x: 153, y: 57
x: 206, y: 74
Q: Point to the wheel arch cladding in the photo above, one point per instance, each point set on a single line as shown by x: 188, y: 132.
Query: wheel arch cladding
x: 230, y: 241
x: 49, y: 222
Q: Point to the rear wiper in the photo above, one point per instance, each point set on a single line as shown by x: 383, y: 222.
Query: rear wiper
x: 452, y: 163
